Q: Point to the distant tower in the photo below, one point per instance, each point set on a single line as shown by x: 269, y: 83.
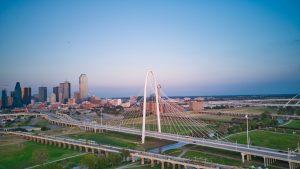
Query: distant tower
x: 17, y: 96
x: 65, y: 91
x: 43, y: 94
x: 4, y: 99
x: 83, y: 86
x: 56, y: 92
x: 26, y: 95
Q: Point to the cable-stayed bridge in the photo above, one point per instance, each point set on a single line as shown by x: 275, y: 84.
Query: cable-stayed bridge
x: 156, y: 115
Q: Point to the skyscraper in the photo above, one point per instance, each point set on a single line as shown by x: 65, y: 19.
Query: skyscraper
x: 17, y: 96
x: 4, y: 99
x: 83, y: 86
x: 56, y: 92
x: 26, y: 95
x: 65, y: 90
x: 43, y: 94
x: 52, y: 98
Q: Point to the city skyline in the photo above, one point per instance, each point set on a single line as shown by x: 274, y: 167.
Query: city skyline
x: 195, y: 48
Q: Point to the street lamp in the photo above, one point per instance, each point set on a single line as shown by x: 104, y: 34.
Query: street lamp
x: 247, y: 131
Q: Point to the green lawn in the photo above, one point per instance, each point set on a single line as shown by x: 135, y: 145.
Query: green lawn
x: 295, y: 124
x: 121, y: 140
x: 199, y: 155
x: 215, y: 117
x: 41, y: 122
x: 21, y: 155
x: 173, y: 152
x: 268, y: 139
x: 109, y: 138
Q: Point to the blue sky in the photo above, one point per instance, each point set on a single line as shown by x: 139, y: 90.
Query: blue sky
x: 195, y: 47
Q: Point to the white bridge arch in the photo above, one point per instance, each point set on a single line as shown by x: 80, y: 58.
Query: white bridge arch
x: 157, y: 97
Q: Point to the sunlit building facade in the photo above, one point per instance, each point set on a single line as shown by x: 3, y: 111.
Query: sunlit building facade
x: 83, y: 86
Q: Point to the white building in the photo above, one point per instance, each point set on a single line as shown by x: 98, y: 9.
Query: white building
x: 83, y: 86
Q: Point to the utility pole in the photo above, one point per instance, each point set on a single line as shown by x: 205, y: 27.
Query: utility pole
x: 247, y: 131
x: 101, y: 118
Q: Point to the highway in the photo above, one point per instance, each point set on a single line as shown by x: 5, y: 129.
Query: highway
x: 252, y: 150
x: 113, y: 149
x: 241, y: 148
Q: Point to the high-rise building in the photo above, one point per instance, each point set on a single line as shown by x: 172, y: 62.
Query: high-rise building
x: 43, y: 94
x: 196, y: 105
x: 65, y: 90
x: 52, y: 98
x: 56, y: 92
x: 26, y: 95
x: 83, y: 86
x: 76, y: 96
x: 22, y: 92
x: 17, y: 96
x: 4, y: 99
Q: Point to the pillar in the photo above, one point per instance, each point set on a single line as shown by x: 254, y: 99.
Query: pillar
x: 243, y: 157
x: 162, y: 164
x: 152, y: 162
x: 142, y: 160
x: 248, y: 157
x: 133, y: 159
x: 174, y: 165
x: 265, y: 162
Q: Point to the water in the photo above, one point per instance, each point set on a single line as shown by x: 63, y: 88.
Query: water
x: 280, y: 121
x: 167, y: 147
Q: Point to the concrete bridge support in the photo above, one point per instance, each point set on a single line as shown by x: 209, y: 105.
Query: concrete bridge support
x: 268, y: 161
x: 152, y: 162
x: 142, y: 160
x: 293, y: 165
x: 248, y: 157
x: 243, y: 157
x: 75, y: 147
x: 133, y: 159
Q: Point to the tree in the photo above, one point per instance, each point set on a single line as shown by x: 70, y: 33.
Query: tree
x: 44, y: 128
x: 102, y: 163
x: 114, y: 159
x: 89, y: 161
x: 125, y: 154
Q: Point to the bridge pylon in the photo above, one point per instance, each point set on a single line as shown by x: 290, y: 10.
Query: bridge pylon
x: 157, y: 97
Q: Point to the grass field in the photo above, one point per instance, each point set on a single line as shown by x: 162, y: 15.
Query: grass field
x: 268, y: 139
x: 173, y: 152
x: 121, y: 140
x: 114, y: 139
x: 215, y: 117
x: 192, y: 154
x: 250, y: 110
x: 20, y: 155
x: 295, y: 124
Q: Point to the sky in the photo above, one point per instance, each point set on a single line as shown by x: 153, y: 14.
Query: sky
x: 207, y: 47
